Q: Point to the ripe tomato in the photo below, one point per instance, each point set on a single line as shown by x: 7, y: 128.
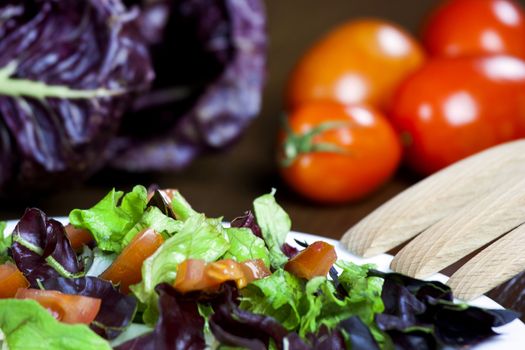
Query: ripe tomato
x: 315, y: 260
x: 11, y: 279
x: 66, y: 308
x: 455, y: 107
x: 336, y: 153
x: 474, y: 27
x: 195, y: 274
x: 359, y: 62
x: 78, y: 237
x: 127, y: 267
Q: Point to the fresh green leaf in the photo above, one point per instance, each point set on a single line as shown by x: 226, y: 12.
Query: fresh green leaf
x: 155, y: 219
x: 364, y: 292
x: 181, y: 207
x: 198, y: 238
x: 278, y: 296
x: 27, y: 325
x: 5, y: 243
x: 275, y: 225
x: 112, y: 218
x: 244, y: 245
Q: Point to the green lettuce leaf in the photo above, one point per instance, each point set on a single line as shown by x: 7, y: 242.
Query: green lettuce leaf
x: 5, y: 243
x: 275, y: 225
x: 112, y: 218
x: 244, y: 245
x: 278, y: 296
x: 198, y: 238
x: 364, y: 292
x: 181, y: 207
x: 153, y: 218
x: 27, y: 325
x: 96, y: 261
x: 304, y: 306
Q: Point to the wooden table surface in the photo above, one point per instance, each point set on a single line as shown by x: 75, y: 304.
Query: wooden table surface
x: 225, y: 184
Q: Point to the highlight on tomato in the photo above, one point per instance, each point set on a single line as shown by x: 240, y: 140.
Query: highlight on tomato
x: 126, y: 270
x: 332, y: 153
x: 197, y: 275
x: 11, y: 279
x: 66, y: 308
x: 315, y: 260
x: 361, y: 61
x: 455, y: 107
x: 475, y: 27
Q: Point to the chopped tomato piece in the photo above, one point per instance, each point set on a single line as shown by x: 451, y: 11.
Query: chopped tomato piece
x: 66, y: 308
x: 225, y: 270
x: 11, y: 279
x: 126, y: 269
x: 315, y: 260
x: 254, y: 270
x: 78, y: 237
x: 193, y: 275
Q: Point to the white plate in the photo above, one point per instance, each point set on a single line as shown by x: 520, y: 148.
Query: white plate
x: 511, y: 336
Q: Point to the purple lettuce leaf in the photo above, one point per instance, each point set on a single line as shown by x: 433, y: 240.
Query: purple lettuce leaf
x: 180, y: 326
x: 236, y: 327
x: 68, y: 68
x: 116, y: 311
x: 41, y: 249
x: 420, y: 314
x: 359, y: 335
x: 248, y: 220
x: 209, y: 56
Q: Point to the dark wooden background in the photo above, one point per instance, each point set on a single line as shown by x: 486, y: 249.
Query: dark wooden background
x: 225, y: 184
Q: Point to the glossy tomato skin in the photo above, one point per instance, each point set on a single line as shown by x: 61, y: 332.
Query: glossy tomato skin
x: 455, y: 107
x: 367, y: 152
x: 315, y: 260
x: 66, y: 308
x: 359, y: 62
x: 126, y: 270
x: 475, y: 27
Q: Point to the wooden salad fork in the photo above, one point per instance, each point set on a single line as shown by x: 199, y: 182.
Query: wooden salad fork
x: 477, y: 202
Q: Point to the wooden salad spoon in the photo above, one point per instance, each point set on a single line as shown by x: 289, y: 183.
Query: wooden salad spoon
x: 451, y: 214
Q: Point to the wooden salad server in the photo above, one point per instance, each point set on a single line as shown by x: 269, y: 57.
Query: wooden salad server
x: 442, y: 194
x: 493, y: 266
x: 451, y: 214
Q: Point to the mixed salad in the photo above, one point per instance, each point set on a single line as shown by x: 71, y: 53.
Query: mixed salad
x: 144, y: 270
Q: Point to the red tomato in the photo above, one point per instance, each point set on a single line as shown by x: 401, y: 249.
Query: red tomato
x: 66, y: 308
x: 194, y: 274
x: 359, y: 62
x: 78, y: 237
x: 455, y: 107
x: 11, y: 279
x: 315, y: 260
x: 127, y: 267
x: 336, y: 153
x: 474, y: 27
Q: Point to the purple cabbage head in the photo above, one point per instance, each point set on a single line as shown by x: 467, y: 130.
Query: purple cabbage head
x: 209, y: 59
x: 68, y: 69
x: 140, y: 85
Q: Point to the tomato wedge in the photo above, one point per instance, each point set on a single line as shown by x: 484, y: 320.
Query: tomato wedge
x: 193, y: 274
x: 126, y: 269
x: 66, y: 308
x: 315, y: 260
x: 78, y: 237
x: 11, y: 279
x: 253, y: 270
